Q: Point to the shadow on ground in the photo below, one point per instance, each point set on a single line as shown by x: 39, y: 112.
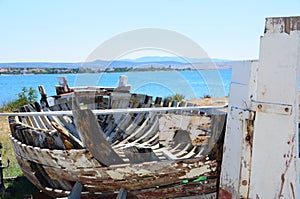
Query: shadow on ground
x: 20, y: 187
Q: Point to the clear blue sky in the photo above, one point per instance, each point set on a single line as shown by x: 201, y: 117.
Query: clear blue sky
x: 69, y: 30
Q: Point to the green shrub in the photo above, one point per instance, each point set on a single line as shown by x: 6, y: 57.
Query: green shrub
x: 24, y: 97
x: 178, y: 97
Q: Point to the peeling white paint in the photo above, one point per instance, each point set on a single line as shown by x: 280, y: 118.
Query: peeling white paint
x: 196, y: 172
x: 115, y: 175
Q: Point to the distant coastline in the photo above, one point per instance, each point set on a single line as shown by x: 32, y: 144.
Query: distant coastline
x: 38, y: 71
x: 144, y: 64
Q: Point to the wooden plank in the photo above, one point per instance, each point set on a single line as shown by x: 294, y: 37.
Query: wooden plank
x: 150, y: 131
x: 157, y: 102
x: 139, y: 155
x: 138, y: 124
x: 117, y: 132
x: 122, y: 194
x: 68, y: 122
x: 40, y: 123
x: 25, y: 119
x: 217, y: 133
x: 70, y: 141
x: 93, y: 138
x: 76, y: 191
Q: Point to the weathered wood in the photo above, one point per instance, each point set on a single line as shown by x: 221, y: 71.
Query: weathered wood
x: 70, y: 141
x: 166, y: 102
x: 64, y: 83
x: 148, y: 101
x: 192, y: 190
x: 136, y: 176
x: 132, y: 129
x: 122, y: 194
x: 40, y: 123
x: 43, y: 101
x: 151, y: 130
x: 119, y: 100
x: 134, y: 158
x: 76, y: 191
x: 174, y: 103
x: 137, y: 100
x: 74, y: 158
x: 181, y: 137
x: 139, y: 155
x: 114, y: 111
x: 43, y: 119
x: 67, y: 121
x: 93, y: 138
x: 217, y: 134
x: 25, y: 119
x: 117, y: 134
x: 157, y: 102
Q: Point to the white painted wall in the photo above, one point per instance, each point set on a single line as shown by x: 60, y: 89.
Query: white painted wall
x: 268, y: 90
x: 274, y: 170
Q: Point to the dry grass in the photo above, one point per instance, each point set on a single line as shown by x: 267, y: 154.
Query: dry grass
x: 209, y: 101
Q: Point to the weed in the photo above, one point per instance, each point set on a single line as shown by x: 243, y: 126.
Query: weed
x: 178, y: 97
x: 24, y: 97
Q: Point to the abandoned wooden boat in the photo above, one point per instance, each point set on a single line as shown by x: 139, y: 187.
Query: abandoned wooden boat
x: 151, y: 149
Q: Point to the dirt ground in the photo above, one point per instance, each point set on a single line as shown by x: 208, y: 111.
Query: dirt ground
x: 210, y: 101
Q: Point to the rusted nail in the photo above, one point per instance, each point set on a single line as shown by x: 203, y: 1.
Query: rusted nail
x: 248, y: 137
x: 286, y: 109
x: 259, y: 106
x: 244, y: 182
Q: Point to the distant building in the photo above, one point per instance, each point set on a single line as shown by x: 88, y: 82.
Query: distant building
x: 3, y: 70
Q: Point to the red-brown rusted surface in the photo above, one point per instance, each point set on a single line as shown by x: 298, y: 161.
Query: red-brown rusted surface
x: 224, y: 194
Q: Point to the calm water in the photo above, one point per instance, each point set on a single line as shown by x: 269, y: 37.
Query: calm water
x: 191, y: 84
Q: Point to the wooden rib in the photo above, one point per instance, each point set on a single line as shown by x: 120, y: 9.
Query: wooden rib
x: 190, y: 154
x: 199, y: 154
x: 68, y: 139
x: 37, y: 118
x: 139, y: 129
x: 92, y: 135
x: 116, y: 133
x: 183, y: 151
x: 148, y: 132
x: 25, y: 119
x: 155, y: 137
x: 175, y: 148
x: 131, y: 128
x: 168, y: 154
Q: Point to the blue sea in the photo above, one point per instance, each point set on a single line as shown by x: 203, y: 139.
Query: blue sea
x: 191, y: 84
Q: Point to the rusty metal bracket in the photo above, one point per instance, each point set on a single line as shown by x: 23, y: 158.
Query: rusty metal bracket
x: 240, y: 113
x: 275, y: 108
